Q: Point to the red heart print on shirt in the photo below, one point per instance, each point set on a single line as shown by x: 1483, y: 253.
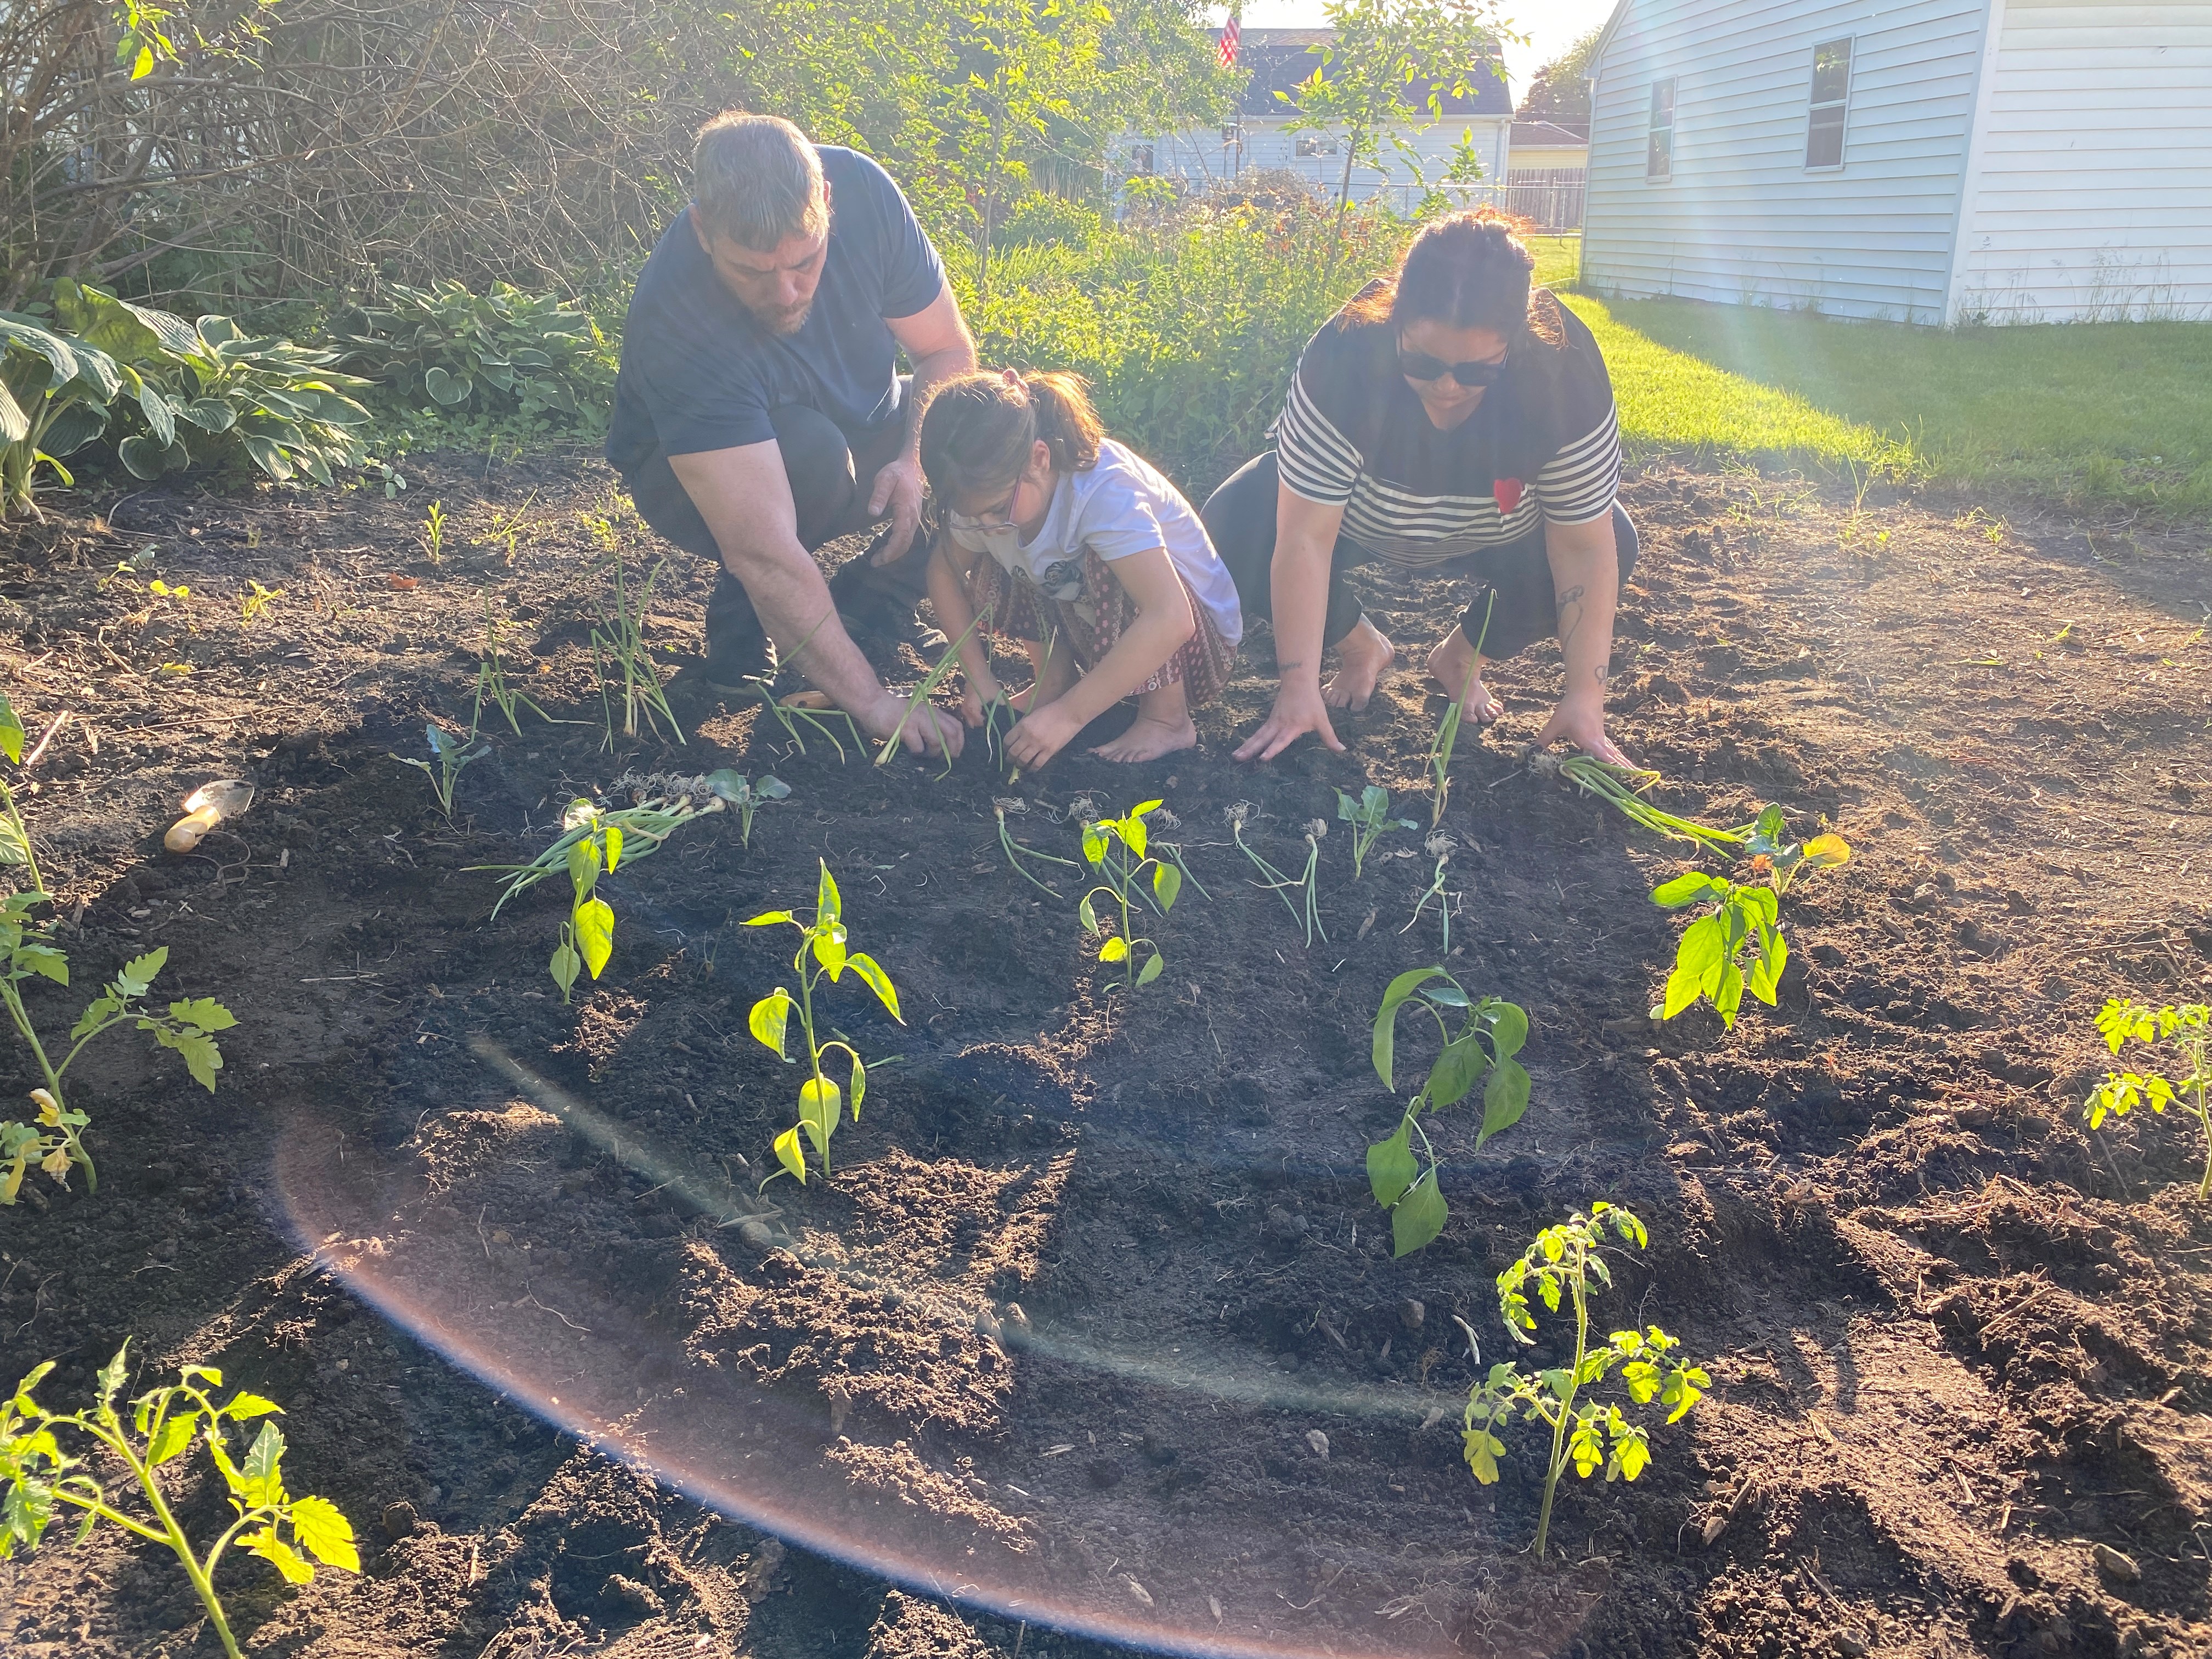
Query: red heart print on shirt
x: 1508, y: 494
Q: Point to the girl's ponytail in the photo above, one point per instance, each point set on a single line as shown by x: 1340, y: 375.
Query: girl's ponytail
x: 977, y: 430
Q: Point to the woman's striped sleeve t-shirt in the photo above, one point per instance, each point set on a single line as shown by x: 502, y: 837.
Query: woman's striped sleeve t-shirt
x: 1543, y: 444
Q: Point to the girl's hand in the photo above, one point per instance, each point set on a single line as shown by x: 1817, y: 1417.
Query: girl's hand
x: 1041, y: 735
x: 977, y: 696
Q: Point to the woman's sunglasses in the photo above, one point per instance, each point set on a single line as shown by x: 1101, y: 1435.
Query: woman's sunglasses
x: 1420, y: 366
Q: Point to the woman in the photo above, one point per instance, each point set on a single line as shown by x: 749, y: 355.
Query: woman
x: 1448, y: 418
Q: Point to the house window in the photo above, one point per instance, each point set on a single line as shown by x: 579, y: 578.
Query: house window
x: 1310, y: 145
x: 1140, y: 161
x: 1659, y: 159
x: 1831, y: 96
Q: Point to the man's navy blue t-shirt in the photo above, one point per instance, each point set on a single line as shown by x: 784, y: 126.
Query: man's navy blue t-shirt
x: 699, y: 374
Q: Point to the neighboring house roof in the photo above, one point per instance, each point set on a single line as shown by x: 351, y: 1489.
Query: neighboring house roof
x: 1550, y: 134
x: 1279, y: 59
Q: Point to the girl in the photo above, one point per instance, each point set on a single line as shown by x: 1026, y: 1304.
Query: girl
x: 1065, y: 540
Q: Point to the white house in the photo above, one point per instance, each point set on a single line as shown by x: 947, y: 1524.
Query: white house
x: 1926, y: 160
x: 1276, y: 60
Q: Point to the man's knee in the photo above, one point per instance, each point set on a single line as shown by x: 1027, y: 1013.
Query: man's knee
x: 818, y: 463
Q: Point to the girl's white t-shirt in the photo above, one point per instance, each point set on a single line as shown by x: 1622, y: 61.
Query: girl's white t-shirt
x: 1121, y: 506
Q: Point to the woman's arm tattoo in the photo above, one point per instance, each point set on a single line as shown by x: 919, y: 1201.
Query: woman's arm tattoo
x: 1569, y: 600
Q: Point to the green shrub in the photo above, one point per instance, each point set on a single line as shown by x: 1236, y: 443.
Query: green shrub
x: 55, y: 394
x: 1050, y: 221
x: 1187, y: 329
x: 280, y: 404
x: 502, y: 353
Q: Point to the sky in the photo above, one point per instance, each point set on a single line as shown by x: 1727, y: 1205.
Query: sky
x: 1551, y: 27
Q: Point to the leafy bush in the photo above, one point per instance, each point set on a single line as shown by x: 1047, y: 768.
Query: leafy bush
x: 1187, y: 329
x: 1052, y: 222
x: 281, y: 404
x: 502, y: 352
x: 54, y: 400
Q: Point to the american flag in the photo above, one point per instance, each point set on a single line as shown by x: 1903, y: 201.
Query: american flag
x: 1231, y: 33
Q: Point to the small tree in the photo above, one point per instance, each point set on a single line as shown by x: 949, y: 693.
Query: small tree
x: 1392, y: 65
x: 1559, y: 91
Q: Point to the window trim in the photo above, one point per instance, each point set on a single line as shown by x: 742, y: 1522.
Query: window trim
x: 1842, y: 107
x: 1664, y: 174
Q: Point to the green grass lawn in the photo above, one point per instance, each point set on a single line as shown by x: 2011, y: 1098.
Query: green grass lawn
x: 2082, y: 413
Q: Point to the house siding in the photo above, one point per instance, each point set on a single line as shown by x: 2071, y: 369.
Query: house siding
x: 2091, y: 198
x: 1740, y: 220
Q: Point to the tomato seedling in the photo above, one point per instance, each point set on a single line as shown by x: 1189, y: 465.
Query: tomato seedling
x: 1491, y: 1033
x: 822, y: 950
x: 1562, y: 1262
x: 449, y: 758
x: 2188, y: 1029
x: 1117, y: 851
x: 1370, y: 816
x: 56, y: 1141
x: 164, y: 1425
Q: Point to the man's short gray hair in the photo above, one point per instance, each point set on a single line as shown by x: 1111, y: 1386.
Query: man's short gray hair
x: 758, y: 181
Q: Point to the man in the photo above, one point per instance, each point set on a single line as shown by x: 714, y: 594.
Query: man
x: 760, y: 412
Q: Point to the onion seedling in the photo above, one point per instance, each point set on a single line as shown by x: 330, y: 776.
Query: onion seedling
x: 1116, y: 850
x: 922, y: 693
x: 1491, y: 1033
x: 56, y: 1141
x: 1447, y: 737
x: 2188, y: 1029
x: 1624, y: 786
x: 448, y: 759
x: 1369, y: 816
x: 1562, y: 1262
x: 492, y: 683
x: 165, y: 1424
x: 1309, y: 917
x: 822, y: 950
x: 792, y: 715
x: 1440, y: 848
x: 1016, y: 851
x: 620, y: 638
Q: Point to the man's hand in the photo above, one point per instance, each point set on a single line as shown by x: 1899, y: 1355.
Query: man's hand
x: 898, y: 491
x: 931, y: 731
x: 1580, y: 720
x: 1298, y: 710
x: 1041, y: 736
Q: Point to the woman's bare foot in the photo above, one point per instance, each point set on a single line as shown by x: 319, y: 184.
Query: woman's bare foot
x: 1148, y: 739
x: 1362, y: 658
x: 1450, y: 664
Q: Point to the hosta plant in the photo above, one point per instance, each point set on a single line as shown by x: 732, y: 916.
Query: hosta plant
x: 1118, y: 851
x: 1480, y: 1040
x: 43, y: 1479
x: 2186, y: 1030
x: 1561, y: 1265
x: 55, y: 395
x: 501, y: 350
x: 823, y: 953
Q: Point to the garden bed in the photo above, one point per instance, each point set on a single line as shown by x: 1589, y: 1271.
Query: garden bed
x: 497, y: 1257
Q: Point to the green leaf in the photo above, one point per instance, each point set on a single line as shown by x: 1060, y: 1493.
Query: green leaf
x: 205, y: 1012
x: 594, y: 923
x: 1728, y: 995
x: 1094, y: 843
x: 1418, y: 1217
x: 265, y: 1543
x: 1392, y: 1167
x: 109, y: 1381
x: 138, y: 973
x: 263, y: 1472
x: 96, y: 1011
x: 769, y: 1018
x: 176, y: 1436
x: 613, y: 835
x: 829, y: 945
x: 1482, y: 1450
x: 328, y: 1535
x: 791, y: 1155
x: 1386, y: 1017
x: 1113, y: 949
x: 1167, y: 884
x: 44, y: 959
x: 11, y: 725
x: 860, y: 1087
x: 878, y: 980
x: 1683, y: 890
x: 769, y: 918
x: 1509, y: 1031
x: 827, y: 903
x: 1088, y: 916
x: 564, y: 967
x: 1151, y: 971
x: 1505, y: 1099
x: 202, y: 1059
x: 820, y: 1106
x: 1632, y: 1452
x: 1457, y: 1069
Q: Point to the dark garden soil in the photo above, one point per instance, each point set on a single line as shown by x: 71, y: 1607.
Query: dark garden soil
x: 1096, y: 1329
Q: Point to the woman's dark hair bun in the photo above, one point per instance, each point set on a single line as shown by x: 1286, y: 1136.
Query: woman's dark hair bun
x: 1469, y: 270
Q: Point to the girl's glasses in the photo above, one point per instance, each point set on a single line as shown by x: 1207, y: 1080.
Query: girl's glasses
x: 1420, y: 366
x: 1001, y: 517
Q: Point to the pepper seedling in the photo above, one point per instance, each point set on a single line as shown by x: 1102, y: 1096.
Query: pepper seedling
x: 1744, y: 924
x: 822, y: 952
x: 1370, y: 816
x: 164, y: 1425
x: 2188, y: 1027
x: 1490, y: 1033
x: 746, y: 796
x: 1117, y: 851
x: 1562, y: 1262
x: 449, y: 758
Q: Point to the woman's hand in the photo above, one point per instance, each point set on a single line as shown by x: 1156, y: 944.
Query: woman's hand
x: 978, y: 695
x: 1580, y: 720
x: 1298, y: 712
x: 1041, y: 735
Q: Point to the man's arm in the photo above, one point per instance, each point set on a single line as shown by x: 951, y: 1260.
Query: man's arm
x: 1586, y: 578
x: 937, y: 343
x: 745, y: 496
